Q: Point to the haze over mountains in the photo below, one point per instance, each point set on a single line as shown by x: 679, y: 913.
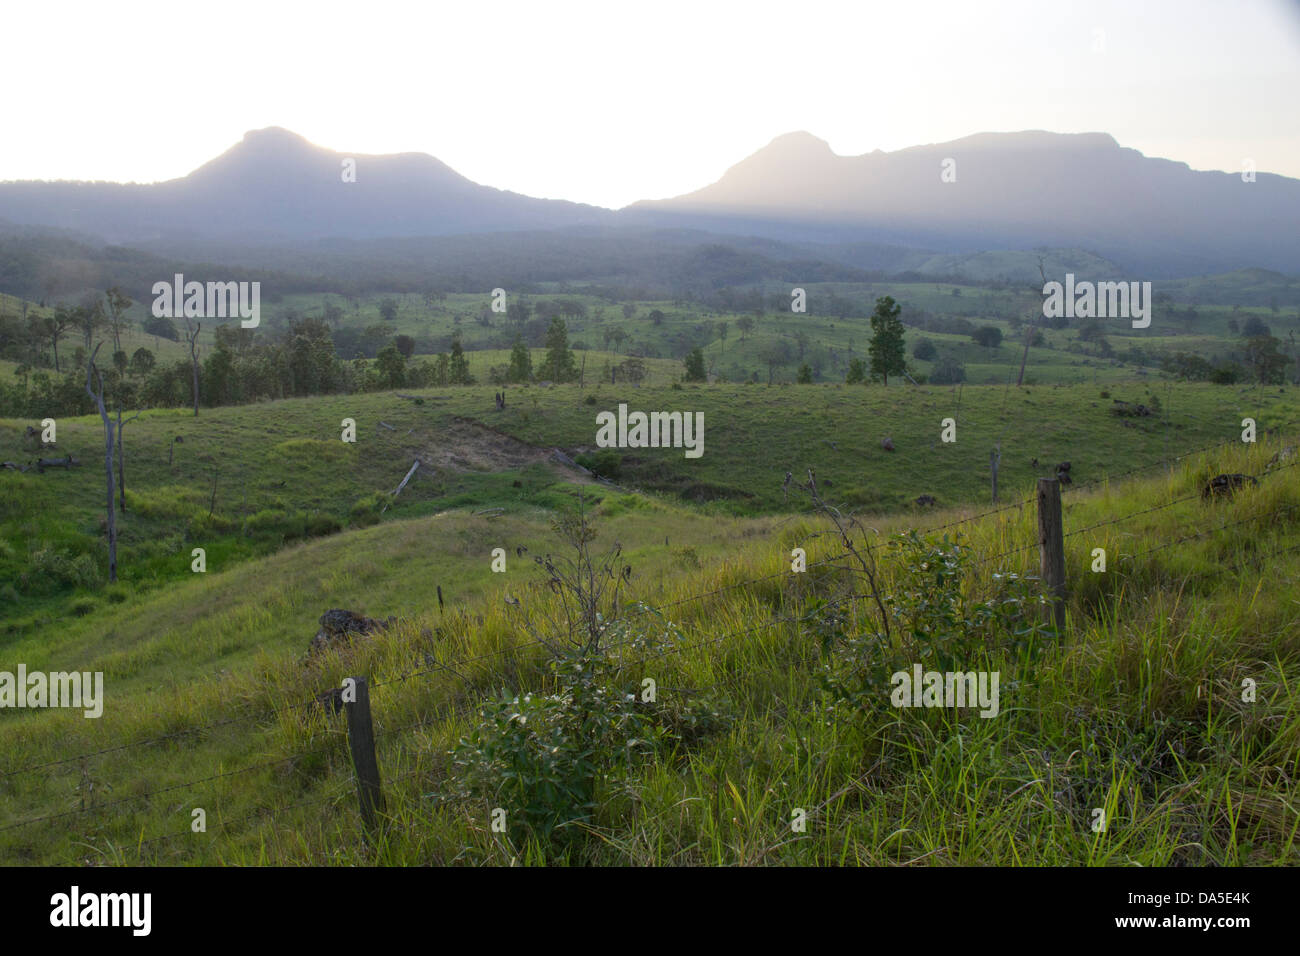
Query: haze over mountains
x: 1011, y: 191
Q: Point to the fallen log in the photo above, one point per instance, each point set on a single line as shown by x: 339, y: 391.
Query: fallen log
x: 388, y: 426
x: 564, y: 459
x: 14, y: 466
x: 399, y: 488
x: 43, y: 463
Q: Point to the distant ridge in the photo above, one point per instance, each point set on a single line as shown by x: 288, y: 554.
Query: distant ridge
x: 1021, y: 190
x: 1011, y: 190
x: 275, y: 185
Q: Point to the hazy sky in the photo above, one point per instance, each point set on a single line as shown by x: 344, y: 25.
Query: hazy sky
x: 610, y: 102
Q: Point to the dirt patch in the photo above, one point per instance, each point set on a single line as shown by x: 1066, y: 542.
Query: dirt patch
x: 467, y: 445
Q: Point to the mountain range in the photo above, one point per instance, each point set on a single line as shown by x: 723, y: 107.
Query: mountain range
x: 1018, y: 190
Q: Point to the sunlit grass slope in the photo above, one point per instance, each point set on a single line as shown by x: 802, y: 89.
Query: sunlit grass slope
x: 1137, y: 709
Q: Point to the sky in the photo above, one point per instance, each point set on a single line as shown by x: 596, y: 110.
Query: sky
x: 615, y: 101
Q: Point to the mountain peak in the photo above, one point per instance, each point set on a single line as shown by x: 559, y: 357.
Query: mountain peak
x: 273, y: 136
x: 799, y: 141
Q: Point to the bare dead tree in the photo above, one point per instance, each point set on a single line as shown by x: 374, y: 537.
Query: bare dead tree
x: 864, y: 556
x: 121, y: 458
x: 588, y: 586
x: 193, y: 336
x: 213, y: 503
x: 1030, y: 326
x: 93, y: 373
x: 118, y: 302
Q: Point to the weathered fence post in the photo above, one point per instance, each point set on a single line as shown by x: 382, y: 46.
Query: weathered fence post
x: 995, y: 459
x: 1051, y: 546
x: 361, y: 741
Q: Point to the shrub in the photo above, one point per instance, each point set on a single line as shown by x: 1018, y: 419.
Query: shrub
x: 546, y: 755
x: 320, y: 525
x: 52, y: 570
x: 269, y: 521
x: 606, y: 463
x: 366, y: 511
x: 543, y: 754
x: 936, y: 621
x: 948, y: 372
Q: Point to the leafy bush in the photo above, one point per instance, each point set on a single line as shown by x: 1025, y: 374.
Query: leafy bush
x: 936, y: 621
x: 54, y: 569
x: 948, y: 372
x: 366, y: 511
x: 540, y: 755
x: 606, y: 463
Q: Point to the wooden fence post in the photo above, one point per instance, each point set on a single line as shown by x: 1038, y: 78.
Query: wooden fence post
x: 1051, y: 546
x: 361, y: 741
x: 995, y: 458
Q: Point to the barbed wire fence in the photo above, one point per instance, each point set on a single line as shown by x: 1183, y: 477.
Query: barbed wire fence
x: 338, y: 743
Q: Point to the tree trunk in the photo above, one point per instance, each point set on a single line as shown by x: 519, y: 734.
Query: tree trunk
x: 194, y: 359
x: 121, y: 477
x: 121, y: 459
x: 110, y: 515
x: 1029, y: 337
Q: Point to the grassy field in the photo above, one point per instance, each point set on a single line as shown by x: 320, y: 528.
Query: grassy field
x: 773, y: 698
x: 765, y: 706
x: 243, y: 481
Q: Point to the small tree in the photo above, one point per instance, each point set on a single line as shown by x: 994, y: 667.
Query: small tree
x: 805, y: 375
x: 118, y: 302
x: 392, y: 366
x: 521, y: 363
x: 404, y: 344
x: 559, y: 364
x: 886, y: 349
x: 458, y: 370
x: 142, y: 362
x: 924, y: 350
x: 857, y: 372
x: 746, y: 325
x: 948, y: 371
x: 695, y: 366
x: 388, y: 309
